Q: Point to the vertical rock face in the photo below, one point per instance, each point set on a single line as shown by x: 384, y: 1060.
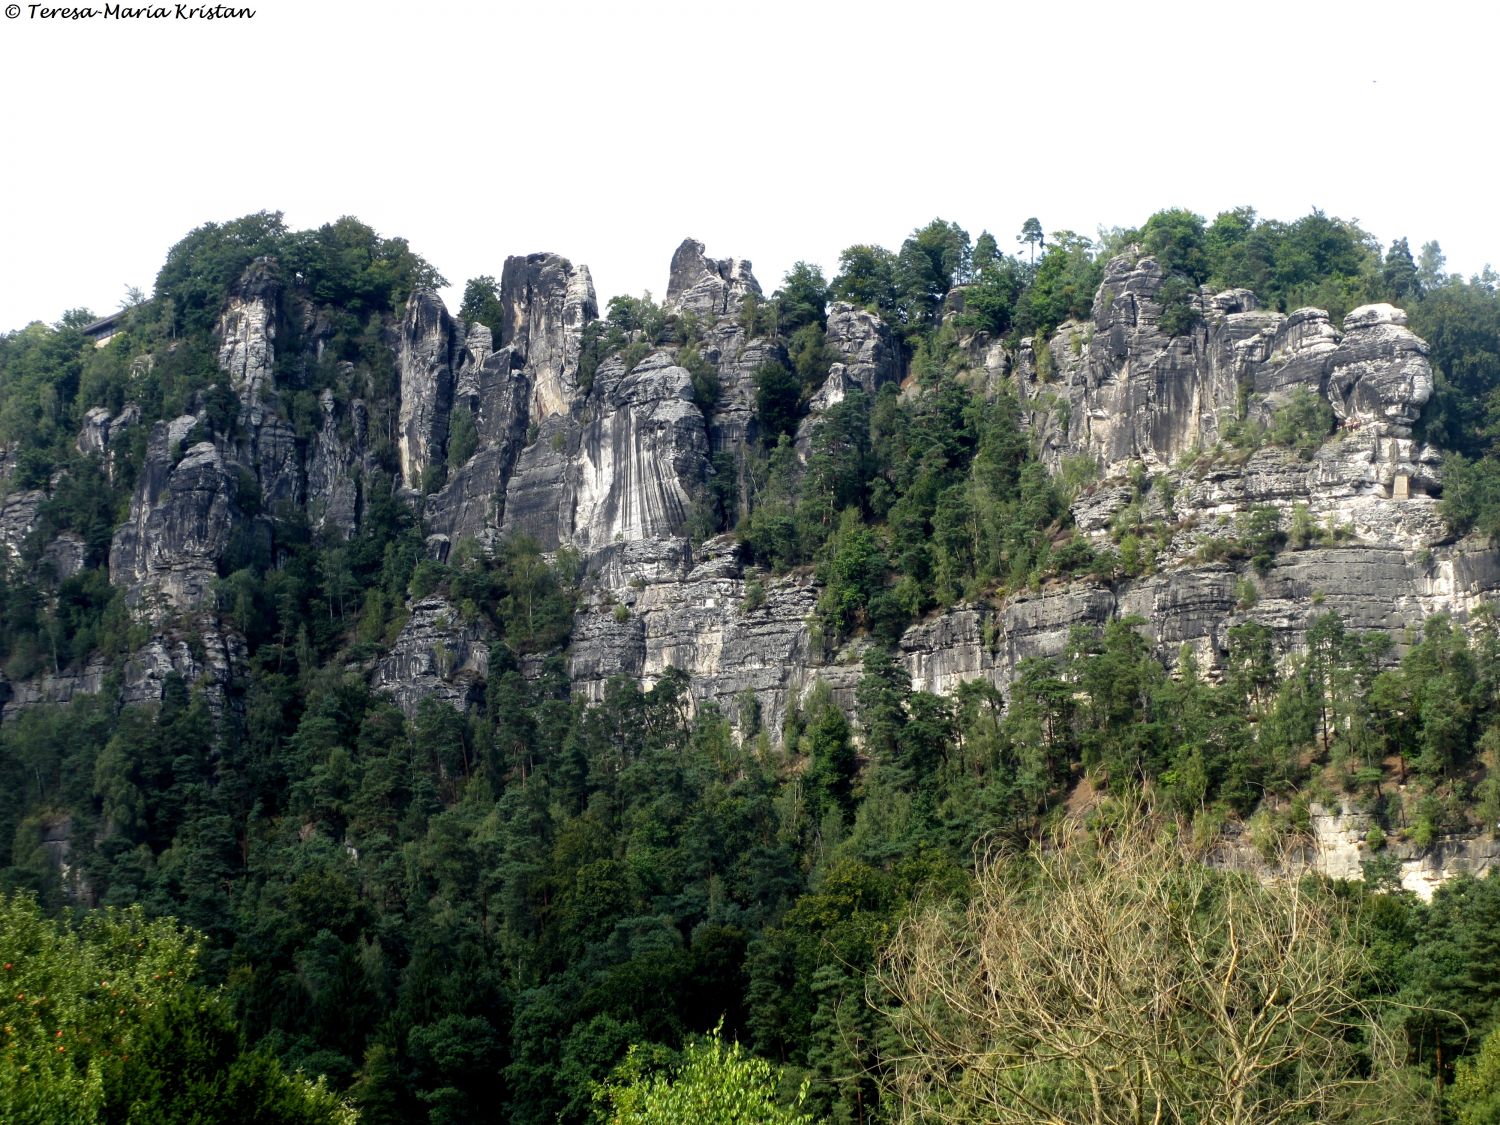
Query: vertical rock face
x: 526, y: 384
x: 427, y: 354
x: 247, y: 331
x: 640, y: 455
x: 547, y: 302
x: 18, y: 519
x: 732, y: 423
x: 101, y: 431
x: 1119, y: 389
x: 438, y: 656
x: 166, y: 554
x: 708, y: 287
x: 625, y: 474
x: 1379, y: 374
x: 868, y: 356
x: 268, y: 448
x: 333, y: 465
x: 539, y: 494
x: 868, y: 359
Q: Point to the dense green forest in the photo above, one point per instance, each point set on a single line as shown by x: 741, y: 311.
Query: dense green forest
x: 543, y: 909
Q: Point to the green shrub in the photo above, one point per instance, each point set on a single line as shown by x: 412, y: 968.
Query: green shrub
x: 1302, y: 423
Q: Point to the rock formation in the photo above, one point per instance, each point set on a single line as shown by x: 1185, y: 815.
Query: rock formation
x: 707, y: 287
x: 166, y: 555
x: 612, y: 469
x: 247, y: 333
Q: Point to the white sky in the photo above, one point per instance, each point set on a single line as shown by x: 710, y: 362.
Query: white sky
x: 769, y: 130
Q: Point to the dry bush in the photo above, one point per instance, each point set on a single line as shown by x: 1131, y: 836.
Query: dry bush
x: 1112, y: 977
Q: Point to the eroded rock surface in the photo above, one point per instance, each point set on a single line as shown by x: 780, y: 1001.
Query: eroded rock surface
x: 247, y: 333
x: 166, y: 555
x: 708, y: 287
x: 547, y: 303
x: 1118, y: 389
x: 438, y: 656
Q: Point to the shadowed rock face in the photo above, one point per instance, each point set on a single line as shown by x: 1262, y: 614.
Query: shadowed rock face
x: 166, y: 555
x: 428, y: 354
x: 438, y: 655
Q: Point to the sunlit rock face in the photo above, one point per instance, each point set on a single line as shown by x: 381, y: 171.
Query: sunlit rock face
x: 708, y: 287
x: 247, y: 333
x: 547, y: 303
x: 1118, y: 389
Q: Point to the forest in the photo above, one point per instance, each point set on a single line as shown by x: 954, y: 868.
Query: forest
x: 304, y: 905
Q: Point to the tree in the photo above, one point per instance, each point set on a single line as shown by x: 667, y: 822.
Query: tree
x: 200, y: 269
x: 711, y: 1084
x: 1400, y: 272
x: 101, y: 1023
x: 931, y: 261
x: 481, y: 305
x: 802, y: 298
x: 1112, y: 976
x: 1066, y: 280
x: 1475, y: 1099
x: 1176, y: 239
x: 1430, y: 265
x: 867, y: 277
x: 1031, y: 235
x: 986, y: 253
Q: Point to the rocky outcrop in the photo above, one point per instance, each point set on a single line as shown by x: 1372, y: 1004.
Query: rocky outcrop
x: 868, y: 356
x: 1119, y: 389
x: 18, y: 519
x: 101, y: 432
x: 1379, y: 374
x: 547, y: 303
x: 626, y: 473
x: 1371, y: 588
x: 640, y: 456
x: 247, y: 332
x: 202, y: 654
x: 335, y: 465
x: 1336, y: 845
x: 166, y: 555
x: 708, y: 287
x: 427, y: 356
x: 744, y: 641
x: 438, y: 656
x: 495, y: 394
x: 539, y: 494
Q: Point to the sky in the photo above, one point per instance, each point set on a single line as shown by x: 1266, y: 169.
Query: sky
x: 769, y: 130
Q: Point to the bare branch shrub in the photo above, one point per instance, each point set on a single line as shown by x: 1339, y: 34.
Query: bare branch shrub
x: 1112, y: 977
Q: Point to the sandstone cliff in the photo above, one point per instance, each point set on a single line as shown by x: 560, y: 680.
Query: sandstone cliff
x: 613, y: 468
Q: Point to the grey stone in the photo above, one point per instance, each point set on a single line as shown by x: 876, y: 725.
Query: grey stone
x: 708, y: 287
x: 247, y: 333
x: 438, y: 655
x: 166, y: 554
